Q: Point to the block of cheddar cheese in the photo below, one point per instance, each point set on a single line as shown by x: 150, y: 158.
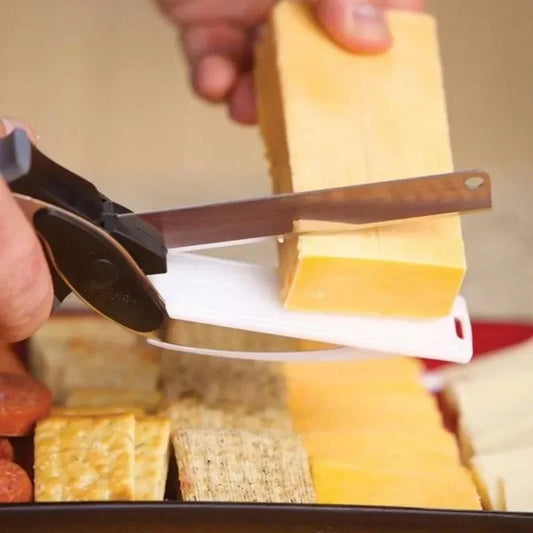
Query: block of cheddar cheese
x: 348, y: 483
x: 331, y: 118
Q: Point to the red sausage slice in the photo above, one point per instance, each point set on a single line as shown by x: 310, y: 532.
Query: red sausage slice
x: 15, y: 485
x: 6, y: 450
x: 23, y: 401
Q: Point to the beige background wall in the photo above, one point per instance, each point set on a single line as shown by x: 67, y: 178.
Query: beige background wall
x: 106, y: 90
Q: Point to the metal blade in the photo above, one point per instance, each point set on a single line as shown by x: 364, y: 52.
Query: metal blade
x: 458, y: 192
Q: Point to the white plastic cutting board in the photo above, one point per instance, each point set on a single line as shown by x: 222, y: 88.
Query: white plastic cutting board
x: 246, y: 296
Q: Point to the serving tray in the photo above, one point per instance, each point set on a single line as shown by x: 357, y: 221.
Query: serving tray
x: 180, y: 517
x: 175, y: 517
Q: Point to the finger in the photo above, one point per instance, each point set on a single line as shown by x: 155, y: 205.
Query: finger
x: 222, y: 39
x: 356, y: 25
x: 8, y: 124
x: 408, y: 5
x: 242, y: 103
x: 26, y: 292
x: 214, y: 77
x: 246, y: 12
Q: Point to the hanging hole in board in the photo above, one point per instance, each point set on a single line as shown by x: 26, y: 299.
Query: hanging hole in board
x: 459, y: 329
x: 474, y: 182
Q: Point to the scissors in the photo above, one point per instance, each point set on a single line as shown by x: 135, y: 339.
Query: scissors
x: 103, y: 252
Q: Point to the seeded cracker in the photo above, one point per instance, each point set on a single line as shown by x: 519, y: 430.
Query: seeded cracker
x: 242, y: 466
x: 190, y: 413
x: 217, y: 380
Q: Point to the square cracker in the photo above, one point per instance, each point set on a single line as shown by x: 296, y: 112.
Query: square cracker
x: 85, y: 458
x: 242, y: 466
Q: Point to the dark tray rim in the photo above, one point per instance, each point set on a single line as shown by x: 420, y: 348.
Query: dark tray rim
x: 286, y: 514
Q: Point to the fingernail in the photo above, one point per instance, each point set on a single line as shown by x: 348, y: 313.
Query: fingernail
x: 7, y: 125
x: 354, y: 24
x: 367, y: 23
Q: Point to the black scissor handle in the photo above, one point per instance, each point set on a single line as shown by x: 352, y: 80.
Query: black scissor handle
x: 72, y: 219
x: 99, y: 271
x: 31, y: 173
x: 15, y: 163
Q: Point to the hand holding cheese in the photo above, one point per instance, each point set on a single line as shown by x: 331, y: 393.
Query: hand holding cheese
x: 330, y: 119
x: 218, y: 38
x: 25, y: 286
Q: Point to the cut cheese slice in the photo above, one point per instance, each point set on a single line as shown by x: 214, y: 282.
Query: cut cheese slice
x: 309, y: 394
x: 370, y: 371
x: 517, y: 491
x: 481, y: 400
x: 506, y: 435
x: 331, y: 118
x: 486, y: 403
x: 508, y: 361
x: 490, y: 469
x: 385, y: 448
x: 349, y: 483
x: 369, y: 411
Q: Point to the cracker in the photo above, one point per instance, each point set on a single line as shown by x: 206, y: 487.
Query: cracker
x: 242, y: 466
x: 129, y: 399
x: 152, y: 442
x: 218, y: 380
x: 85, y: 458
x: 190, y: 413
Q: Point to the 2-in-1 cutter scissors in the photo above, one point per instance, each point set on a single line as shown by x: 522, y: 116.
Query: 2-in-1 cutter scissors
x: 132, y: 267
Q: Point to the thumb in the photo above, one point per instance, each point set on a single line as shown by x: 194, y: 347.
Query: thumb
x: 356, y: 25
x: 25, y: 286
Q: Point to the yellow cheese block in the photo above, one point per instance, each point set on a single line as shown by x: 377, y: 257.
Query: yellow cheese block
x: 305, y: 394
x: 384, y: 448
x: 439, y: 487
x: 368, y: 371
x: 331, y: 118
x: 367, y: 410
